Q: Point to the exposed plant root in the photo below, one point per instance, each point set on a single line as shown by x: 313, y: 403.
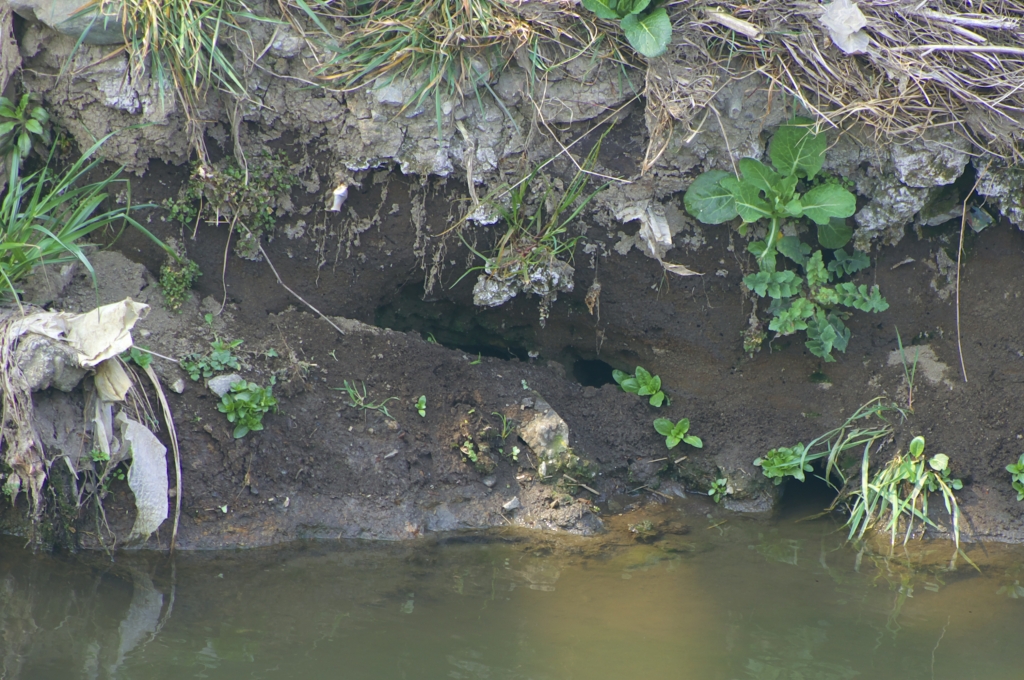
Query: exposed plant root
x: 297, y: 296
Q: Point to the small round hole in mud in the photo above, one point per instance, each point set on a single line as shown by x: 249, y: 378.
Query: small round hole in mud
x: 592, y: 372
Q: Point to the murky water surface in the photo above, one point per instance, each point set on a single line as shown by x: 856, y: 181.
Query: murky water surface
x: 722, y: 597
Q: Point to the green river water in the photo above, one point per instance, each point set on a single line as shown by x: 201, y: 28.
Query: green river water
x: 720, y: 597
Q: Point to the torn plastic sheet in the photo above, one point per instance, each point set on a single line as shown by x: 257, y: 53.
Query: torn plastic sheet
x: 845, y: 23
x: 97, y: 336
x: 655, y: 233
x: 111, y: 380
x: 147, y: 477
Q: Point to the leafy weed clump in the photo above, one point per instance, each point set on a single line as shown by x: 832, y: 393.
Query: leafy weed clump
x: 535, y: 252
x: 899, y: 493
x: 868, y: 425
x: 219, y: 360
x: 246, y: 201
x: 245, y: 405
x: 763, y: 193
x: 642, y: 384
x: 176, y: 280
x: 817, y: 308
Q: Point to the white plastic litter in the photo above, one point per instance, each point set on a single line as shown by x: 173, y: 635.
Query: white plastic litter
x: 147, y: 477
x: 339, y: 195
x: 655, y: 233
x: 845, y: 23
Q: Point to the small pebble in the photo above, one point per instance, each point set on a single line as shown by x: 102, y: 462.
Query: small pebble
x: 489, y: 481
x: 512, y: 504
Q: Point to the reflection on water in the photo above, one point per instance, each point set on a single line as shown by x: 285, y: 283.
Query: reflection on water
x: 731, y: 598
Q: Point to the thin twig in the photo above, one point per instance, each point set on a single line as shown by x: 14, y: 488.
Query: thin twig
x: 725, y: 137
x: 959, y: 254
x: 581, y: 485
x: 224, y: 265
x: 980, y: 49
x: 156, y: 354
x: 299, y: 297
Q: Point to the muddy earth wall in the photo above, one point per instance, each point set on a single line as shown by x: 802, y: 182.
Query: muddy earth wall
x: 387, y: 273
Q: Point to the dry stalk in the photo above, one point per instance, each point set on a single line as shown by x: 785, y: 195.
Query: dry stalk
x: 173, y: 432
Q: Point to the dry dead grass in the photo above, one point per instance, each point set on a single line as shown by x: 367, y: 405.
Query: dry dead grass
x: 929, y: 64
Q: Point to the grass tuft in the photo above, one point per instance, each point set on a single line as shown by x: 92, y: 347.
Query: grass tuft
x: 448, y: 48
x: 183, y: 43
x: 46, y: 216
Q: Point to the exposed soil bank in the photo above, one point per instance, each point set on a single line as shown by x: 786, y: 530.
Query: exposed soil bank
x: 322, y: 468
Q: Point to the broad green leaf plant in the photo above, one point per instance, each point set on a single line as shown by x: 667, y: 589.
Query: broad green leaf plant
x: 642, y: 384
x: 244, y: 405
x: 646, y: 25
x: 811, y: 302
x: 677, y: 432
x: 22, y: 124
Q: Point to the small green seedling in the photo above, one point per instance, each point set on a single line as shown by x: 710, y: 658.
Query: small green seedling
x: 909, y: 372
x: 99, y: 456
x: 646, y: 25
x: 361, y: 400
x: 507, y: 425
x: 138, y: 356
x: 219, y: 360
x: 244, y: 404
x: 642, y: 384
x: 1017, y: 477
x: 421, y: 406
x: 677, y: 433
x: 469, y: 451
x: 719, y: 490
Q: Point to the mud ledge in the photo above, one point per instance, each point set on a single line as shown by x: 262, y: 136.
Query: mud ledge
x: 324, y: 469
